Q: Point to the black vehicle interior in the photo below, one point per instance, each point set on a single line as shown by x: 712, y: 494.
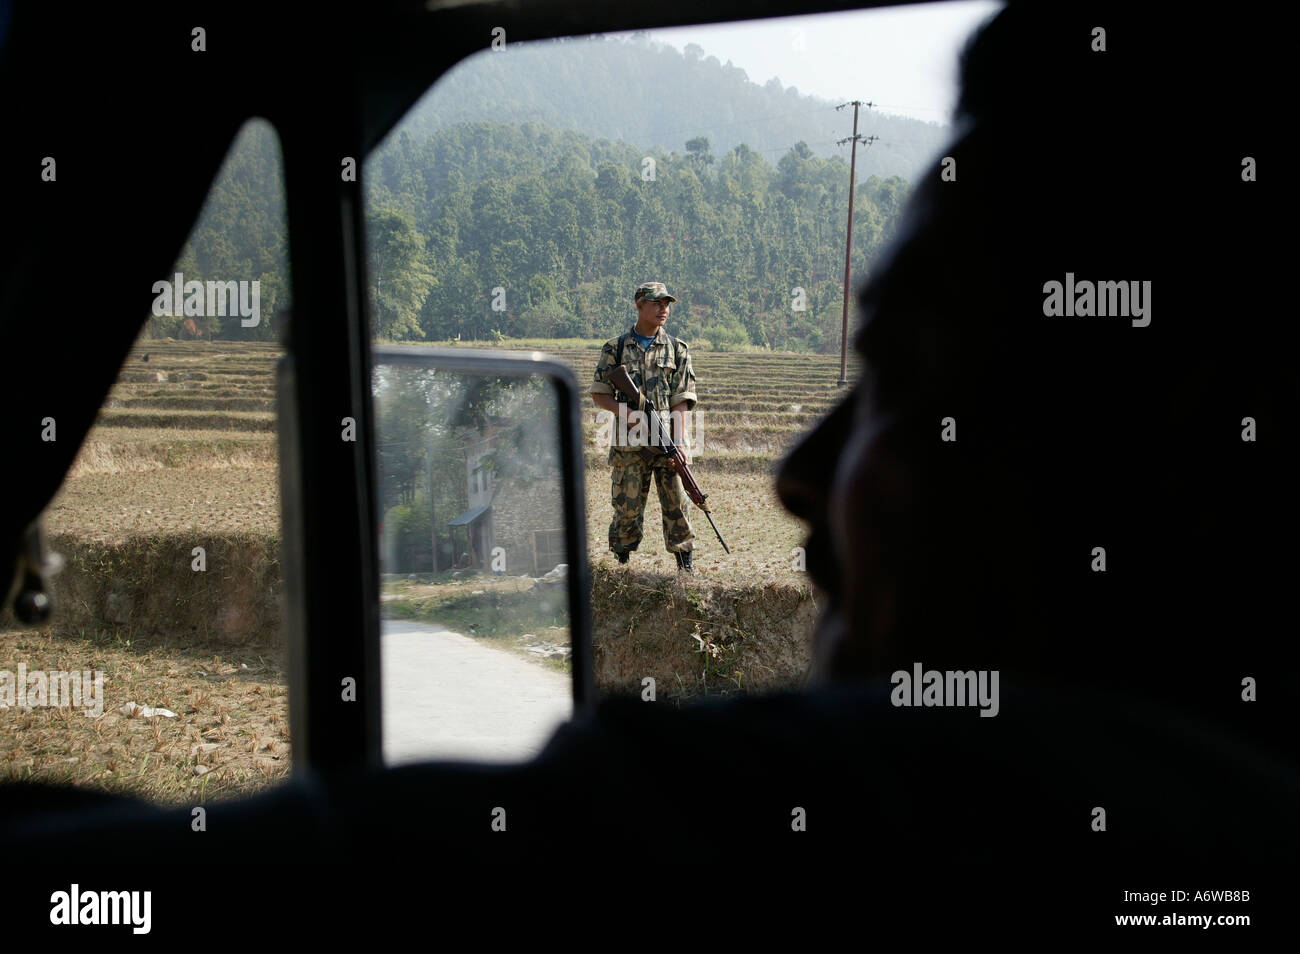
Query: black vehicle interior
x: 140, y: 124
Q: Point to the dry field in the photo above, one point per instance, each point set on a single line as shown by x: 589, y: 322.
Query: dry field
x: 196, y: 451
x: 185, y: 454
x: 229, y: 735
x: 760, y: 533
x: 109, y: 507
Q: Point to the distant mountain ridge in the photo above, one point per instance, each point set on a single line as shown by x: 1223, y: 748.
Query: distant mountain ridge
x: 651, y: 95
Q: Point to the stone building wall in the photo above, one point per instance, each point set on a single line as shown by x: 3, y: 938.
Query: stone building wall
x: 518, y: 510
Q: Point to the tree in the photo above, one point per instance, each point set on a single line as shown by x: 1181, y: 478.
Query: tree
x: 400, y: 279
x: 697, y: 150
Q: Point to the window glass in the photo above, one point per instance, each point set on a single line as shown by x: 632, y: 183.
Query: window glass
x: 525, y: 197
x: 162, y: 673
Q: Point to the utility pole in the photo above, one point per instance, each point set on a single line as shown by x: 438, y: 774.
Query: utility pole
x: 848, y: 244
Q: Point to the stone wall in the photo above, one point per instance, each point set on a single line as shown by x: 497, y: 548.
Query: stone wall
x: 518, y: 510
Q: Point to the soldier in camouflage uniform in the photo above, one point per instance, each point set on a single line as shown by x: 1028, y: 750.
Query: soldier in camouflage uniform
x: 660, y: 365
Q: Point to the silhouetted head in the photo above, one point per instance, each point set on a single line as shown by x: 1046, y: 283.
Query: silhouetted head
x: 958, y: 496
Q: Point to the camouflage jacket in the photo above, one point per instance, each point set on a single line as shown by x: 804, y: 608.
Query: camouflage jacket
x: 663, y: 373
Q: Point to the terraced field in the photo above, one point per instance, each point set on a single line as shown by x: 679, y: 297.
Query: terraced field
x: 751, y: 405
x: 186, y: 441
x: 184, y: 455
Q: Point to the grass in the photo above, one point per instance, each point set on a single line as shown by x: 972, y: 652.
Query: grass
x: 109, y: 505
x: 195, y: 391
x: 173, y: 420
x: 590, y: 347
x: 512, y: 344
x: 507, y: 611
x: 114, y: 450
x: 760, y: 532
x: 696, y: 636
x: 196, y: 402
x: 230, y: 735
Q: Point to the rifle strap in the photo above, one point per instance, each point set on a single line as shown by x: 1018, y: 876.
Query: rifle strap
x: 621, y: 342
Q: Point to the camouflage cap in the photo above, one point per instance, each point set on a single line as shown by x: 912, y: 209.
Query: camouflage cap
x: 654, y: 291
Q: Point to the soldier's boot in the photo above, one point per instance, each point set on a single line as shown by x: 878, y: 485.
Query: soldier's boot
x: 684, y: 561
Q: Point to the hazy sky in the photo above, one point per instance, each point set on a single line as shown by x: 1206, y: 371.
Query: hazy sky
x: 902, y: 59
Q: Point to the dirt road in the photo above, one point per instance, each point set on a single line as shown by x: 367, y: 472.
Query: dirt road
x: 447, y: 696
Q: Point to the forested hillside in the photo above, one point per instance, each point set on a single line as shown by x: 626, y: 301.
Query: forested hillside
x: 241, y: 235
x: 542, y: 227
x: 490, y: 230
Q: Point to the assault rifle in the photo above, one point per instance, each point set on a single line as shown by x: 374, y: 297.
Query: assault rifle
x: 623, y: 381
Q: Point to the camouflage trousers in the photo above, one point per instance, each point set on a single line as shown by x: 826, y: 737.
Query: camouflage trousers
x: 629, y: 490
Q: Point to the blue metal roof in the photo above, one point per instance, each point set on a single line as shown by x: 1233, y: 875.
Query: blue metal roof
x: 468, y: 517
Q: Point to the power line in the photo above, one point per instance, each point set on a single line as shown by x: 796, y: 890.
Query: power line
x: 922, y: 109
x: 834, y: 142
